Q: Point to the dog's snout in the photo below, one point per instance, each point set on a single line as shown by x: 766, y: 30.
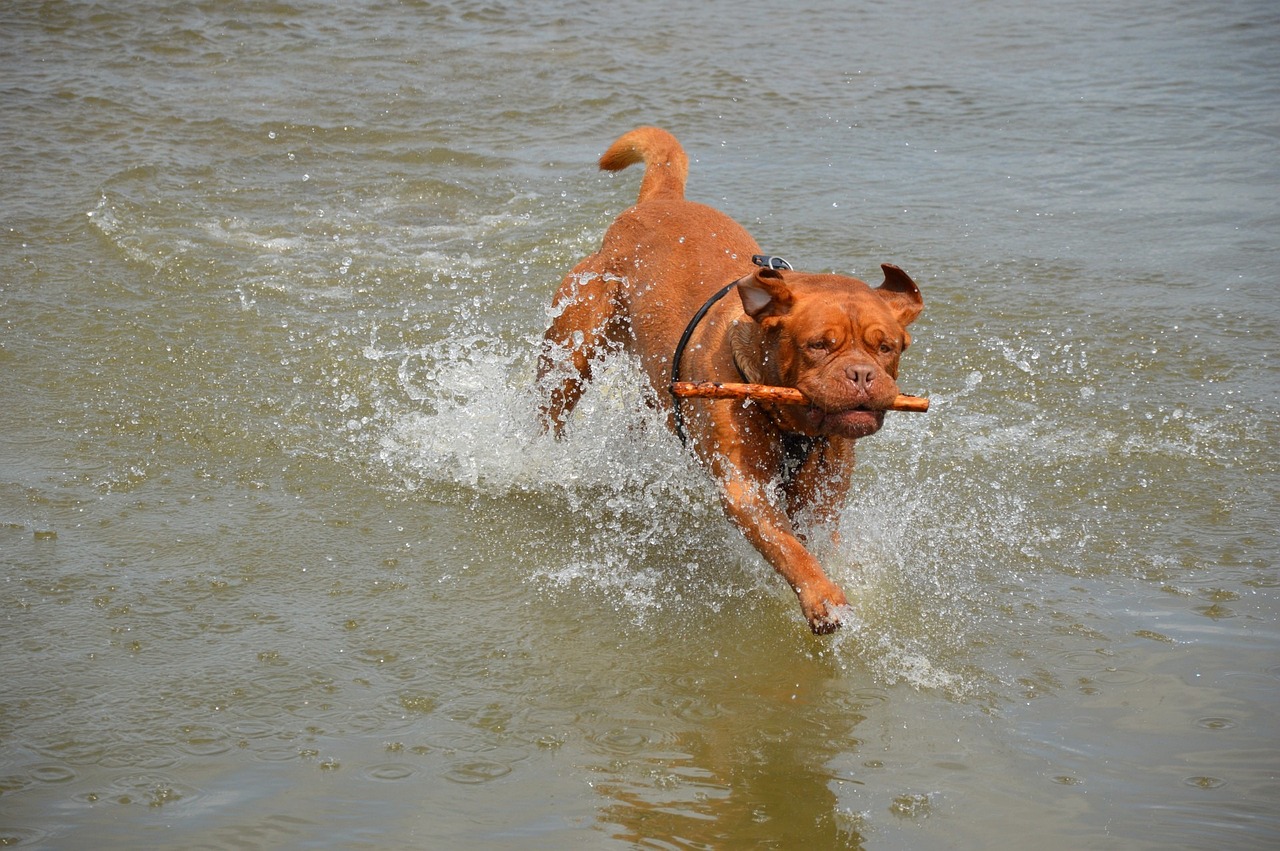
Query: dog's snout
x: 861, y: 376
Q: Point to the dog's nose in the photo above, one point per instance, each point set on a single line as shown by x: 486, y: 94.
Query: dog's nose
x: 861, y: 376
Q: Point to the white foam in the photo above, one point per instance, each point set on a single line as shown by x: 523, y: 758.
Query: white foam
x: 639, y: 500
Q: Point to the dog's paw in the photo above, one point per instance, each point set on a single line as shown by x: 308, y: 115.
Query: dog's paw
x: 828, y: 621
x: 836, y: 618
x: 827, y: 610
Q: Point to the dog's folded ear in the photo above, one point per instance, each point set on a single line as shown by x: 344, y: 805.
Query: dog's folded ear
x: 901, y: 293
x: 764, y: 294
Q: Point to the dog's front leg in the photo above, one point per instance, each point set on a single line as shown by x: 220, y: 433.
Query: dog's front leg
x: 768, y: 528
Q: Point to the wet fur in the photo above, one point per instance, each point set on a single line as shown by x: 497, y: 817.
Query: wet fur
x: 835, y: 338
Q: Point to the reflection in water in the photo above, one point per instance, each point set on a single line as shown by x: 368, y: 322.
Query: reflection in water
x: 748, y: 766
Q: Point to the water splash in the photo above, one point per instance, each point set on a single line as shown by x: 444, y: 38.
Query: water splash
x: 422, y: 363
x: 646, y: 536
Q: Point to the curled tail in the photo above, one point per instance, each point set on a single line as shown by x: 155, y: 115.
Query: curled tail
x: 665, y: 165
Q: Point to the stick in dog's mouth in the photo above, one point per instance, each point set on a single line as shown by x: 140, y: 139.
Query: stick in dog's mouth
x: 767, y: 393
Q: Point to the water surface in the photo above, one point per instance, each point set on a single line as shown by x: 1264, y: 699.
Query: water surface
x: 287, y: 563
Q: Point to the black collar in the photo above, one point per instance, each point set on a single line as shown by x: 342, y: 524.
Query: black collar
x: 767, y: 261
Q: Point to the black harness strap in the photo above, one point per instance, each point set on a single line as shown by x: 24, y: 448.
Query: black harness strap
x: 767, y: 261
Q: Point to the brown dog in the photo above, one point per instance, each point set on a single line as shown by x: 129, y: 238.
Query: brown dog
x: 834, y: 338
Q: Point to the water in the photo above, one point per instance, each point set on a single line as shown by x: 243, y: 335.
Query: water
x: 286, y: 562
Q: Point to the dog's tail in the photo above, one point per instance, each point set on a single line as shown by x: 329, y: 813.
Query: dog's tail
x: 665, y: 165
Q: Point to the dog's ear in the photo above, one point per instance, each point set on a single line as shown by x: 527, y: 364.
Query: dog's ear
x: 901, y: 293
x: 764, y: 294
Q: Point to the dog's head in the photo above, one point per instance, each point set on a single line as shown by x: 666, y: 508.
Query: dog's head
x: 835, y: 339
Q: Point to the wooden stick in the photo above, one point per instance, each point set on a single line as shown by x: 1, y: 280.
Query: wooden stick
x: 766, y: 393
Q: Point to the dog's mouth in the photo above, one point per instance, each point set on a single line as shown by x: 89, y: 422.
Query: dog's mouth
x: 851, y: 422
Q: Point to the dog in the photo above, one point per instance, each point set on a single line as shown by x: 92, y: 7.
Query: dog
x: 658, y: 288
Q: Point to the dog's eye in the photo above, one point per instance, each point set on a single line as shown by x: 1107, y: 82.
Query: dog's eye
x: 886, y: 349
x: 819, y: 345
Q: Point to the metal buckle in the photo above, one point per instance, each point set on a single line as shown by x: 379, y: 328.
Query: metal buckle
x: 770, y: 261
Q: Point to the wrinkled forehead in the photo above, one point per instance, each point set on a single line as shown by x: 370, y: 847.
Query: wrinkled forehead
x: 840, y: 301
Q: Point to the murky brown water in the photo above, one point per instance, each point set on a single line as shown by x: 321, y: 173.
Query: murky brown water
x: 286, y: 562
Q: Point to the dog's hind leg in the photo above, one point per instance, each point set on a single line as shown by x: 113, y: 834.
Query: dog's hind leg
x: 586, y: 321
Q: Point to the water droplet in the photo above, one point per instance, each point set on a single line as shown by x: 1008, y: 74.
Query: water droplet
x: 910, y: 806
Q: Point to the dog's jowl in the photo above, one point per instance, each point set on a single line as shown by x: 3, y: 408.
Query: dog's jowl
x: 652, y: 289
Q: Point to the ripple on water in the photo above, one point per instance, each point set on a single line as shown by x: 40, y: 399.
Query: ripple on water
x: 375, y: 719
x: 74, y: 751
x: 390, y: 771
x: 476, y: 771
x: 11, y: 783
x: 773, y: 733
x: 250, y: 729
x: 544, y: 717
x: 688, y: 707
x: 863, y: 699
x: 21, y: 837
x: 418, y: 703
x: 151, y: 755
x: 1085, y: 660
x: 151, y: 790
x: 627, y: 741
x: 277, y: 753
x: 544, y: 727
x: 1216, y: 723
x: 52, y: 773
x: 203, y: 740
x: 377, y: 656
x: 1120, y: 676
